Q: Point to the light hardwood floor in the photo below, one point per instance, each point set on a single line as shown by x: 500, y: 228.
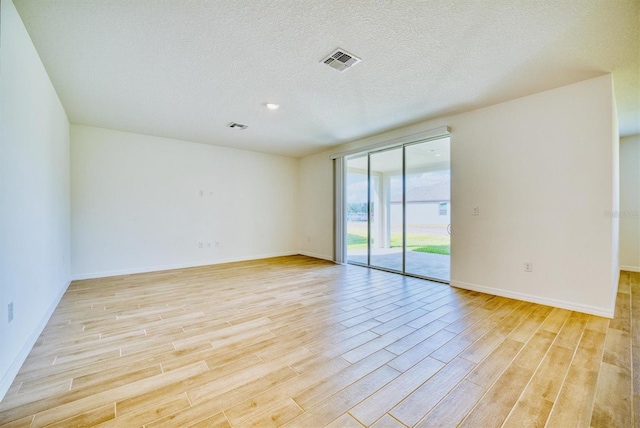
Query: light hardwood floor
x: 301, y: 342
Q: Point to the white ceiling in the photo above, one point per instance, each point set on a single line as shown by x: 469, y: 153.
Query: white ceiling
x: 184, y: 69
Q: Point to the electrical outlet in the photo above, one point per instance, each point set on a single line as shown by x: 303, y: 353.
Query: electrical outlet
x: 476, y: 211
x: 528, y: 267
x: 217, y: 244
x: 10, y: 310
x: 200, y: 244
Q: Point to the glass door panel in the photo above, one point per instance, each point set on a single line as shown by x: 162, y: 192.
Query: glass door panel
x: 356, y: 210
x: 428, y: 209
x: 385, y: 213
x: 398, y: 209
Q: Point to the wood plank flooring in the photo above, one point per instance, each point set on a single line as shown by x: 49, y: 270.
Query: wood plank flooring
x: 300, y: 342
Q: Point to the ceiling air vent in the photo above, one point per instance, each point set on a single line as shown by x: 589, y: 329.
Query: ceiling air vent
x: 237, y: 125
x: 341, y: 60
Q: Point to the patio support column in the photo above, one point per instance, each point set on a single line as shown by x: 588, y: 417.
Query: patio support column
x: 385, y: 221
x: 378, y: 212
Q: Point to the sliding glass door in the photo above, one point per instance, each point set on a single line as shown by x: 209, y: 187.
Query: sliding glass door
x: 357, y: 213
x: 398, y: 209
x: 385, y: 186
x: 428, y: 209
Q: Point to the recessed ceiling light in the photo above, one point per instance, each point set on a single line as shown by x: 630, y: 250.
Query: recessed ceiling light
x: 272, y: 106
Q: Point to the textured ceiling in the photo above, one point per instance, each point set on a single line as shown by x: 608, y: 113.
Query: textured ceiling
x: 184, y: 69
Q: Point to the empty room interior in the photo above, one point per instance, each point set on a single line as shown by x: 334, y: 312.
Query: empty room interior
x: 338, y: 213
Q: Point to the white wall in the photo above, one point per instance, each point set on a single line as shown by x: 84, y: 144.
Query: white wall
x: 630, y: 203
x: 34, y: 195
x: 542, y: 169
x: 315, y: 204
x: 136, y: 203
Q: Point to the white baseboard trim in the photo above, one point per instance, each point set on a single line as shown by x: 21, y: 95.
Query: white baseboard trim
x: 572, y: 306
x: 10, y: 375
x: 630, y: 268
x: 106, y: 274
x: 315, y: 255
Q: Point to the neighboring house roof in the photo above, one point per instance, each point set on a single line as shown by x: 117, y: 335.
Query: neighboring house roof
x: 438, y: 192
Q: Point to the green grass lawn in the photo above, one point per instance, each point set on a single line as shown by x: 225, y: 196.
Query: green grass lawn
x: 434, y: 249
x: 422, y: 242
x: 356, y: 241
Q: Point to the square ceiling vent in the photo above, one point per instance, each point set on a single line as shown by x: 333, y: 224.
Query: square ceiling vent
x: 341, y: 60
x: 237, y: 125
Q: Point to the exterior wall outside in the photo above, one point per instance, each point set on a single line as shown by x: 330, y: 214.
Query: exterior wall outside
x: 420, y: 213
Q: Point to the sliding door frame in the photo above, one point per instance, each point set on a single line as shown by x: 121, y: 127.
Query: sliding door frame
x: 340, y: 235
x: 404, y: 209
x: 368, y: 209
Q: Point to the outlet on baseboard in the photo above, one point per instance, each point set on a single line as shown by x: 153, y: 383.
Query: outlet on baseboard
x: 10, y: 311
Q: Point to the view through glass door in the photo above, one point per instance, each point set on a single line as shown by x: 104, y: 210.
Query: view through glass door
x: 385, y: 184
x: 356, y: 215
x: 398, y: 209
